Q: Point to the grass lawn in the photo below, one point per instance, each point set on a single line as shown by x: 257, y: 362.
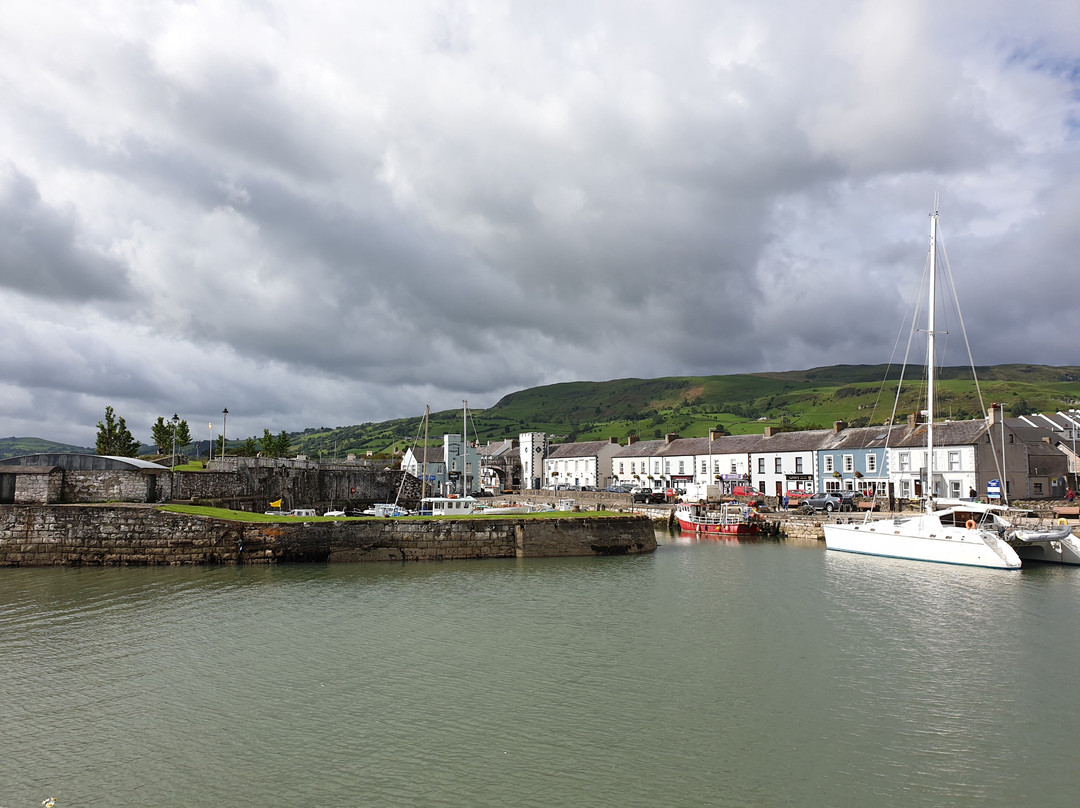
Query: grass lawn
x: 247, y: 516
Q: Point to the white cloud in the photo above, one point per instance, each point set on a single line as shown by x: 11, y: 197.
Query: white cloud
x: 321, y: 214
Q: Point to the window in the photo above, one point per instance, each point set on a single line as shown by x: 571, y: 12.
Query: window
x: 905, y: 489
x: 849, y: 463
x: 682, y: 469
x: 734, y: 467
x: 798, y: 465
x: 704, y: 467
x: 954, y: 462
x: 761, y: 465
x: 954, y: 489
x: 871, y: 463
x: 620, y: 467
x: 828, y: 459
x: 832, y: 486
x: 905, y: 462
x: 1037, y: 489
x: 778, y: 465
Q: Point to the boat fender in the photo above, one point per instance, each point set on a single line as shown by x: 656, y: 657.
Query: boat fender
x: 970, y: 524
x: 1063, y: 521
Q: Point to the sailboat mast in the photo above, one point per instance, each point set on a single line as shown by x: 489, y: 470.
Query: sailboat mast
x: 930, y: 363
x: 465, y: 447
x: 423, y: 474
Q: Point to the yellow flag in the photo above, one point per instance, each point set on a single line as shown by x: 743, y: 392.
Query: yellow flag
x: 276, y: 504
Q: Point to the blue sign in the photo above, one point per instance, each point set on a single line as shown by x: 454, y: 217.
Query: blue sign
x: 993, y: 488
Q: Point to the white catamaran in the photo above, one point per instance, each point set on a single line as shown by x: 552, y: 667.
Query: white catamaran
x: 948, y: 531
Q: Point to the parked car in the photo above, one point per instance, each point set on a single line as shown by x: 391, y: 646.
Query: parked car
x: 830, y: 501
x: 797, y: 493
x: 647, y: 495
x: 745, y: 491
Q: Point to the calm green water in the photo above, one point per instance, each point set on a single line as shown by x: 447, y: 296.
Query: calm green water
x: 708, y: 673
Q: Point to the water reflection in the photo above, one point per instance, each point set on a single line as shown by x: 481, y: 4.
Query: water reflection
x: 724, y: 672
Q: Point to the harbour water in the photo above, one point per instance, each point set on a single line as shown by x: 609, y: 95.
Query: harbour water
x: 712, y: 672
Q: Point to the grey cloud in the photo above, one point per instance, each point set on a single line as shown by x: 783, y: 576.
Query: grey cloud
x: 42, y: 251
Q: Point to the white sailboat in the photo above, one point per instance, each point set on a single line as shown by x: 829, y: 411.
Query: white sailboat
x: 948, y: 532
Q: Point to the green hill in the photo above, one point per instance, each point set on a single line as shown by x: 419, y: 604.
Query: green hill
x: 741, y: 404
x: 690, y: 406
x: 17, y: 447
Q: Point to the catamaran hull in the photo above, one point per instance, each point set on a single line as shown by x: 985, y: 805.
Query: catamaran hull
x: 955, y: 546
x: 1051, y: 551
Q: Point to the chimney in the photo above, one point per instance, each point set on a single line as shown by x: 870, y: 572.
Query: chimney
x: 913, y: 420
x: 713, y: 433
x: 994, y: 416
x: 613, y: 439
x: 631, y: 439
x: 838, y: 426
x: 670, y: 436
x: 769, y: 431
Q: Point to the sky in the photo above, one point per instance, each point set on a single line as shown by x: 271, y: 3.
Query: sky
x: 324, y: 213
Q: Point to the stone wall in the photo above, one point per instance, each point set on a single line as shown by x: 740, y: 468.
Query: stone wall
x: 141, y: 534
x: 119, y: 485
x: 300, y: 485
x: 39, y: 488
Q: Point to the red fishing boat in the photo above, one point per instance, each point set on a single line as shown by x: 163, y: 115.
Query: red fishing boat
x: 729, y: 517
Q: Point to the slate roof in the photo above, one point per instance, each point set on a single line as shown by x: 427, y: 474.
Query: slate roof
x: 589, y: 448
x: 497, y: 449
x: 70, y: 460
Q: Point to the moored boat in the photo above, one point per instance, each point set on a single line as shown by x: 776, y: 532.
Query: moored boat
x: 447, y: 506
x: 385, y: 509
x: 507, y: 508
x: 728, y: 518
x: 947, y: 532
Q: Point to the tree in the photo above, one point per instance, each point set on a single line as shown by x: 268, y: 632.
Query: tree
x: 272, y: 446
x: 162, y: 434
x: 249, y: 448
x: 114, y: 438
x: 284, y: 444
x: 183, y: 435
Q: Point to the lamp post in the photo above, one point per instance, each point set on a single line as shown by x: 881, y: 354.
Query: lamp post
x: 175, y: 421
x: 224, y: 421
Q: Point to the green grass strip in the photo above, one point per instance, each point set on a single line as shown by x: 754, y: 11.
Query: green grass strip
x: 248, y: 516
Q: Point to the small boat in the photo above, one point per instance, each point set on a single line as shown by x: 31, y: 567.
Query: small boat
x: 1054, y: 545
x: 507, y: 508
x: 728, y: 518
x: 385, y: 509
x: 447, y: 506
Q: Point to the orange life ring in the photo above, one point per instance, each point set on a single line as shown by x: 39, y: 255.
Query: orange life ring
x: 970, y: 524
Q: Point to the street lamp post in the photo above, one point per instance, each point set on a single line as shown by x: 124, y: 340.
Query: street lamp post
x: 224, y: 422
x: 175, y: 421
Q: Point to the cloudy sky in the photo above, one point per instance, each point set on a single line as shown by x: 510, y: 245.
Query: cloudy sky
x: 324, y: 213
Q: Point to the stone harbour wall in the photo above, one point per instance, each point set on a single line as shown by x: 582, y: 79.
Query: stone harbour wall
x: 32, y: 535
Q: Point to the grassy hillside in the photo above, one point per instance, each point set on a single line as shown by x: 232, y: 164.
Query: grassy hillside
x: 17, y: 447
x: 690, y: 405
x: 741, y: 404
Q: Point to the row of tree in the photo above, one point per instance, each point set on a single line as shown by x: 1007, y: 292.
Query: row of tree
x: 114, y: 438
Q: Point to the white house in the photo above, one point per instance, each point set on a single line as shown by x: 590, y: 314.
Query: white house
x: 580, y: 464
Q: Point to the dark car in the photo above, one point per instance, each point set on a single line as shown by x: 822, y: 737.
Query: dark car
x: 645, y: 495
x: 830, y: 501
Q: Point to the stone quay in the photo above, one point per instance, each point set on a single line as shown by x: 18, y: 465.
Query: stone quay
x: 139, y: 534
